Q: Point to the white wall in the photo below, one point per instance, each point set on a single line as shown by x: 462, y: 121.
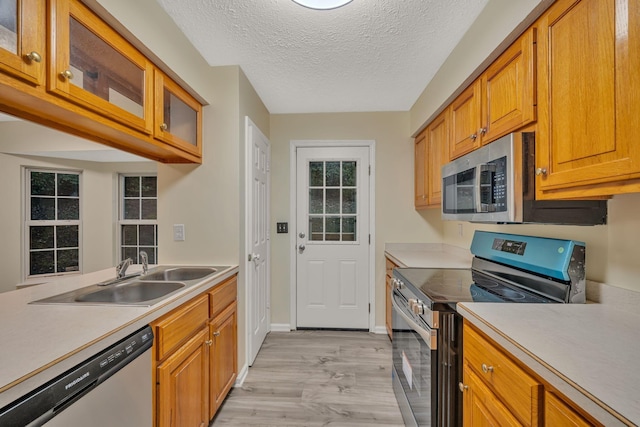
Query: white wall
x: 396, y: 220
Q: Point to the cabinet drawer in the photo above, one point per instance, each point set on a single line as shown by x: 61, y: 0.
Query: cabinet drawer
x: 178, y: 326
x: 517, y: 389
x: 222, y: 295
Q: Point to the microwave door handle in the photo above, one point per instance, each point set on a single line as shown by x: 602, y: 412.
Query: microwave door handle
x: 478, y: 188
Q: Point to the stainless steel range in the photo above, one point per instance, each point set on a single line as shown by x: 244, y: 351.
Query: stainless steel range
x: 427, y: 331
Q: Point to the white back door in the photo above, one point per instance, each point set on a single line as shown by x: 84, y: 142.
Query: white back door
x: 258, y: 286
x: 332, y: 277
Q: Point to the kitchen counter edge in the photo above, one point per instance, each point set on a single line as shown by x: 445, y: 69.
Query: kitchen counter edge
x: 134, y: 318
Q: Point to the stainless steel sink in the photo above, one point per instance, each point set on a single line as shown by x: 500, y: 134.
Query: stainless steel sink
x: 131, y: 292
x: 142, y: 290
x: 178, y: 273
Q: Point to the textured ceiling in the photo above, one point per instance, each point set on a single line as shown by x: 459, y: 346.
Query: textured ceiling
x: 370, y: 55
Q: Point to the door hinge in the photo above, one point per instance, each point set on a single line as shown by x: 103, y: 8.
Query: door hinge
x: 369, y: 170
x: 369, y: 308
x: 369, y: 238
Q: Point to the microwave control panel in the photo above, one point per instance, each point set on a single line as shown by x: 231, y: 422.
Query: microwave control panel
x: 500, y: 184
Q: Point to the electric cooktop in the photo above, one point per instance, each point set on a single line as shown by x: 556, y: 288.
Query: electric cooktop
x: 450, y: 286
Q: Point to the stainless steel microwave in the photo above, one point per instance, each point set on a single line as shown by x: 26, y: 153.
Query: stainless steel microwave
x: 496, y: 184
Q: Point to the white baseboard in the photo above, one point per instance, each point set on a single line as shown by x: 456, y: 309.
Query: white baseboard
x: 380, y: 330
x: 242, y: 375
x: 280, y: 327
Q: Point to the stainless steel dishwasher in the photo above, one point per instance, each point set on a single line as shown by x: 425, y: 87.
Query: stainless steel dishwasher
x: 112, y: 388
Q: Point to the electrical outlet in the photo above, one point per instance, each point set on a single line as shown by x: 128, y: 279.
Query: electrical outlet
x: 282, y: 227
x: 178, y: 232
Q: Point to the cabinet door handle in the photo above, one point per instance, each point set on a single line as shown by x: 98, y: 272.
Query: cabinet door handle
x: 209, y: 342
x: 463, y: 387
x: 483, y: 131
x: 473, y: 136
x: 67, y: 74
x: 216, y: 334
x: 164, y: 127
x: 486, y: 369
x: 541, y: 171
x: 34, y: 57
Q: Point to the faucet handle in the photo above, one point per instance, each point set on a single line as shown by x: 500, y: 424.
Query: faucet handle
x: 121, y: 268
x: 145, y: 261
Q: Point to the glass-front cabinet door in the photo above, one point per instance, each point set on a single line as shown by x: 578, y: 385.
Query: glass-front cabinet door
x: 22, y: 39
x: 178, y: 117
x: 92, y: 65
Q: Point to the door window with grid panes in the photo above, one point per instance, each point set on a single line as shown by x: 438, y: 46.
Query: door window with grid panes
x: 138, y: 217
x: 332, y: 201
x: 53, y: 222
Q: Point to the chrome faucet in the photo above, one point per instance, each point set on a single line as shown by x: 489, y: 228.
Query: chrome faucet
x: 144, y: 258
x: 121, y: 268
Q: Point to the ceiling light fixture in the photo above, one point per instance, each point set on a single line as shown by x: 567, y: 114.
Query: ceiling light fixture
x: 322, y: 4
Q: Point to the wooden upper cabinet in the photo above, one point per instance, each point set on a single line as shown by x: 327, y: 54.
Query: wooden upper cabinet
x: 178, y: 116
x: 437, y: 149
x: 509, y: 90
x: 420, y: 172
x: 92, y: 65
x: 22, y: 40
x: 589, y: 98
x: 465, y: 121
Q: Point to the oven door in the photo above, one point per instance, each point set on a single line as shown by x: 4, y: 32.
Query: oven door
x: 414, y: 365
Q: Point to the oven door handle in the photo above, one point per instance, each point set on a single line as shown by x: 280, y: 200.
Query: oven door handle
x: 428, y: 335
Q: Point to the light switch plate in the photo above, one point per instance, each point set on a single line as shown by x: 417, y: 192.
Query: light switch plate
x: 178, y: 232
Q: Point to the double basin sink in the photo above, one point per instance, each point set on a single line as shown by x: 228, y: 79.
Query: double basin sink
x: 140, y: 290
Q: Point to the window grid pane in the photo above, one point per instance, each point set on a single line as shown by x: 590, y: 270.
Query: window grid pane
x: 53, y: 226
x: 332, y: 201
x: 138, y: 217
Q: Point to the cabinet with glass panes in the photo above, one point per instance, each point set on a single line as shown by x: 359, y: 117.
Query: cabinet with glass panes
x: 22, y: 39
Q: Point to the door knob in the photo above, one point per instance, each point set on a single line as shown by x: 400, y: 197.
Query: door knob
x: 301, y: 235
x: 254, y: 257
x: 301, y: 248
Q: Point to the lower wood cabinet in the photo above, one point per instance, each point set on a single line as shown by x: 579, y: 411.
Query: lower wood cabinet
x: 182, y: 382
x: 499, y: 390
x: 558, y: 413
x: 481, y: 406
x: 224, y: 356
x: 390, y: 265
x: 196, y: 357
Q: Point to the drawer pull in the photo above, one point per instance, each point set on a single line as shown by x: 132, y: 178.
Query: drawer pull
x: 486, y: 369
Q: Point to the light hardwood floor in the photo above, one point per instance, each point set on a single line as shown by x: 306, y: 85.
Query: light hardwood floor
x: 316, y: 378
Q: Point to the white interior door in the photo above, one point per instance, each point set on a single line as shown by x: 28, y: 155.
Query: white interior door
x: 332, y: 237
x: 258, y: 277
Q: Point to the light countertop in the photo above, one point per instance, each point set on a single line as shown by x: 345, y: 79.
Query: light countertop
x: 40, y: 342
x: 428, y: 255
x: 589, y: 352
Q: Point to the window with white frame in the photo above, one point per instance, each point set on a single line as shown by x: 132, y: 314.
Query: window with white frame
x: 53, y: 224
x: 138, y: 219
